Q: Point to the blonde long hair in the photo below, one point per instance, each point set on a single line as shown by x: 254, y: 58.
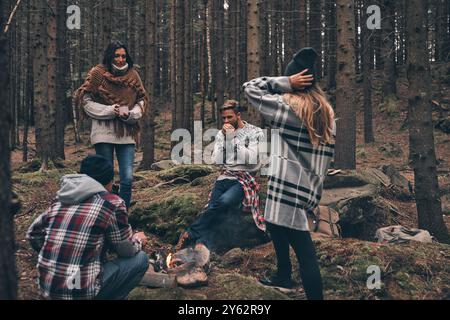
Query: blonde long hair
x: 314, y: 110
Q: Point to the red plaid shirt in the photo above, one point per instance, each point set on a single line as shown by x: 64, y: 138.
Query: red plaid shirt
x: 250, y: 203
x: 72, y: 241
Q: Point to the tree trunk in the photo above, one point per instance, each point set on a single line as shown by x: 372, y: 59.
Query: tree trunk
x: 204, y: 79
x: 8, y: 272
x: 253, y: 49
x: 29, y: 100
x: 315, y: 33
x: 148, y: 130
x: 388, y: 49
x: 367, y: 84
x: 44, y: 82
x: 187, y: 56
x: 106, y: 26
x: 302, y: 24
x: 421, y: 139
x: 220, y: 54
x: 345, y: 157
x: 180, y: 80
x: 331, y: 24
x: 62, y: 85
x: 173, y: 65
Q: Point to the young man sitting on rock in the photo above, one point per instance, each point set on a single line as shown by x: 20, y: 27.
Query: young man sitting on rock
x: 73, y: 235
x: 237, y: 149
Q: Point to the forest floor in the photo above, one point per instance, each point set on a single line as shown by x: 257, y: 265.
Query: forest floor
x: 36, y: 191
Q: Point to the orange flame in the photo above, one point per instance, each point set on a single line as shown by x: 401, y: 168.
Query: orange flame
x: 169, y: 261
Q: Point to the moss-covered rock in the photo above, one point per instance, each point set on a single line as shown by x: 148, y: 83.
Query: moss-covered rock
x: 166, y: 218
x: 39, y: 179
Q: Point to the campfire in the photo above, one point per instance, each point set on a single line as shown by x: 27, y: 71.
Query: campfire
x: 186, y: 268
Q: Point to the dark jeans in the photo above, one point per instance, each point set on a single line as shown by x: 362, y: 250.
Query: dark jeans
x: 122, y: 275
x: 304, y: 249
x: 125, y: 157
x: 225, y: 194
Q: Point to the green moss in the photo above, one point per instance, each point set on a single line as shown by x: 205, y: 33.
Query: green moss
x: 39, y: 179
x: 167, y: 218
x: 238, y: 287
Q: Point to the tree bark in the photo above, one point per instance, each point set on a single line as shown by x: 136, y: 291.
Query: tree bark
x: 421, y: 139
x: 345, y: 157
x: 367, y: 83
x: 148, y: 132
x: 388, y: 49
x: 332, y: 28
x: 8, y: 272
x: 253, y: 50
x: 220, y: 57
x: 44, y: 82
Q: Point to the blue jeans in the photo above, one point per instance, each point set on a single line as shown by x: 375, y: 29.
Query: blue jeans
x: 125, y: 157
x: 122, y: 275
x: 225, y: 194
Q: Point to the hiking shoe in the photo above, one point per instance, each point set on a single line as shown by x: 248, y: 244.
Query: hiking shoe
x: 278, y: 282
x: 184, y: 240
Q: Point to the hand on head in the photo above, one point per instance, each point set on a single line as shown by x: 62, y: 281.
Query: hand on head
x: 300, y: 80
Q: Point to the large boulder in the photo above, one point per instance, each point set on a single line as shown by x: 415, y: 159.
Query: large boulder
x: 356, y: 196
x: 168, y: 218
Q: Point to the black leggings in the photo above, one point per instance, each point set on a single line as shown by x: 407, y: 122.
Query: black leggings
x: 303, y: 246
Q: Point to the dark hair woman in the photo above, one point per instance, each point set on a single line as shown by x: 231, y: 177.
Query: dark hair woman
x: 301, y: 152
x: 114, y: 97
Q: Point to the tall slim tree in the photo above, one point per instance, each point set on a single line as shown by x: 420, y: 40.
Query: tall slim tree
x: 345, y: 102
x: 388, y: 49
x: 331, y: 54
x: 8, y: 273
x: 253, y: 50
x: 367, y: 83
x: 44, y: 26
x: 421, y: 140
x: 220, y: 54
x: 148, y: 132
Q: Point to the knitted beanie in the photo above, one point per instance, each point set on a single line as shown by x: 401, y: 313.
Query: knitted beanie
x: 98, y: 168
x: 303, y: 59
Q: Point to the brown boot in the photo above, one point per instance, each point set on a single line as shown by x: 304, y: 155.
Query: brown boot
x: 183, y: 241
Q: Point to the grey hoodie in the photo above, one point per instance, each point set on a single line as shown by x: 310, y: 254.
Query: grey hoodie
x: 76, y: 188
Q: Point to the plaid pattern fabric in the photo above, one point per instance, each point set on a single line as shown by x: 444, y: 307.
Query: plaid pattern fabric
x: 250, y: 203
x: 297, y: 167
x: 72, y: 241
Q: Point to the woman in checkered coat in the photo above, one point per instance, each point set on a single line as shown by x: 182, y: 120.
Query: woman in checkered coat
x: 302, y: 122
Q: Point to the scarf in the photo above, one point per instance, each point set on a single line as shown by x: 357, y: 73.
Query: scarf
x: 109, y: 89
